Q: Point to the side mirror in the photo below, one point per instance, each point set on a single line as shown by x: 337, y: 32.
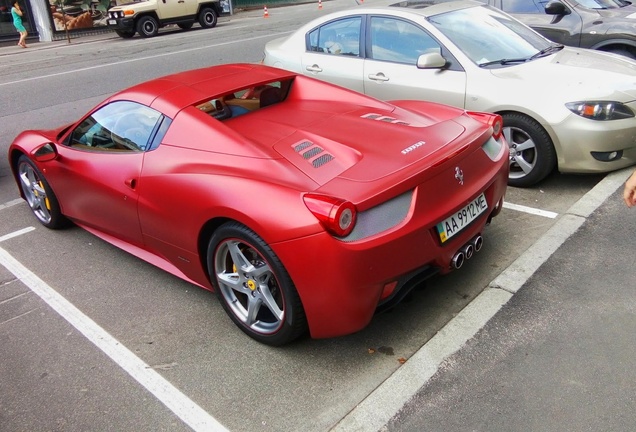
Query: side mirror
x: 555, y: 7
x: 44, y: 153
x: 431, y: 60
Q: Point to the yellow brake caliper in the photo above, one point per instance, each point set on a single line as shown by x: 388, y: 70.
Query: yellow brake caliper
x: 46, y: 198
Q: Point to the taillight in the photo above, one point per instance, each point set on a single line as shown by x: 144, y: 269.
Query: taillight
x: 493, y: 120
x: 336, y: 215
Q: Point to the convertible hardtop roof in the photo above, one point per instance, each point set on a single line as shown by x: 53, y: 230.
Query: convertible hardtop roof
x: 172, y: 93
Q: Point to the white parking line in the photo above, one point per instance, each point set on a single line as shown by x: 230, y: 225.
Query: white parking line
x: 183, y: 407
x: 11, y: 203
x: 530, y: 210
x: 15, y: 233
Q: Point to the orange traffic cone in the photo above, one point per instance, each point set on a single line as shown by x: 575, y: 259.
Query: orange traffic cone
x: 265, y: 13
x: 319, y: 4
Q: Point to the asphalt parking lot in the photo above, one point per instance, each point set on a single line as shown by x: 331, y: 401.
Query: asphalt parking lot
x: 77, y: 349
x: 95, y: 339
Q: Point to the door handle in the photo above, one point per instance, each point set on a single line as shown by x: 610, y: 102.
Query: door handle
x: 314, y: 68
x: 378, y: 77
x: 131, y: 183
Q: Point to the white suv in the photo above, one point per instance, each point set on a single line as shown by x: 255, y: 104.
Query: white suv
x: 146, y: 17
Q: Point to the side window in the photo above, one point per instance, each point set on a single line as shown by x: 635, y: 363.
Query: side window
x: 119, y: 126
x: 399, y: 41
x: 340, y: 37
x: 524, y: 6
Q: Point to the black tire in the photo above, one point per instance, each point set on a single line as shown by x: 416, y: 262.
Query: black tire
x: 147, y: 27
x: 208, y: 18
x: 253, y: 286
x: 39, y: 195
x: 532, y: 154
x: 126, y: 34
x: 185, y: 26
x: 621, y: 51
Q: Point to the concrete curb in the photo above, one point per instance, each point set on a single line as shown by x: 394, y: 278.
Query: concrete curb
x: 377, y: 409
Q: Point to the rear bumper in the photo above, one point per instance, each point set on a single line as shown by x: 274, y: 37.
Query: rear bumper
x: 343, y: 284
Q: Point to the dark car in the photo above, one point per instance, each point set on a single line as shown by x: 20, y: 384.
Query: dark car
x: 607, y: 25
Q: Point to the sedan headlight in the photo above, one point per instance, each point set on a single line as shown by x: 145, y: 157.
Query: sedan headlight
x: 600, y: 110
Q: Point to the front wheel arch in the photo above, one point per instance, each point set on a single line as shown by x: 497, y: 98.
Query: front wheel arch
x: 629, y: 52
x: 38, y: 194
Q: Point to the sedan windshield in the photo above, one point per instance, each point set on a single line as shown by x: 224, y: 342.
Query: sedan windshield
x: 603, y: 4
x: 489, y: 37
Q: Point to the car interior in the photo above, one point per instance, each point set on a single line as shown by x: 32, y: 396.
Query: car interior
x: 245, y: 101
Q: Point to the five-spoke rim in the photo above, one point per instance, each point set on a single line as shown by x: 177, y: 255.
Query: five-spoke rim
x: 249, y: 286
x: 209, y: 18
x: 523, y: 152
x: 35, y: 193
x: 149, y: 27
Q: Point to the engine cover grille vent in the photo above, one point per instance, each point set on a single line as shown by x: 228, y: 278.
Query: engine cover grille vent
x: 383, y: 118
x: 312, y: 153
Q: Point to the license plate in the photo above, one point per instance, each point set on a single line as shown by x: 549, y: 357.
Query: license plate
x: 112, y: 22
x: 462, y: 218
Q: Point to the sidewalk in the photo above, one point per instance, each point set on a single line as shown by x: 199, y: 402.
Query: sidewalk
x: 558, y: 355
x: 9, y: 48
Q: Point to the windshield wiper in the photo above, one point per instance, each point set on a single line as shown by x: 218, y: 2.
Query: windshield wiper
x: 503, y: 61
x: 546, y: 51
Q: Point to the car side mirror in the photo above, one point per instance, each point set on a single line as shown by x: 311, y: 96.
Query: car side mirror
x: 44, y: 153
x: 431, y: 60
x: 555, y: 7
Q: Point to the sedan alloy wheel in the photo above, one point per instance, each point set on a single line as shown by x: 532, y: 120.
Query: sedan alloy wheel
x: 532, y: 155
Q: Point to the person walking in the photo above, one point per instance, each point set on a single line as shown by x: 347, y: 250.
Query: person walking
x: 17, y: 14
x: 629, y: 193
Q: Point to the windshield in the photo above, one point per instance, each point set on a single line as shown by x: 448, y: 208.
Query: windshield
x: 603, y: 4
x: 486, y: 35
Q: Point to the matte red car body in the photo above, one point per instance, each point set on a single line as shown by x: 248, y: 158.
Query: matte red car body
x: 163, y: 205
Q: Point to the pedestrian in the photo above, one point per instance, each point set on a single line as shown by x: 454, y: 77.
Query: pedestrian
x: 17, y: 14
x: 629, y: 193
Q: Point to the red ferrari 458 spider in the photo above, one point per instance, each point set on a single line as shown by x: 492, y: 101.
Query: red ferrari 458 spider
x: 303, y: 205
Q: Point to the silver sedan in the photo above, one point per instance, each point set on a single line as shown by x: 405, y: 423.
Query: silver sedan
x: 563, y: 108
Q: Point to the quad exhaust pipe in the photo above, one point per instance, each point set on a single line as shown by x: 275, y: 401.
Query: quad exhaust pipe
x: 467, y: 251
